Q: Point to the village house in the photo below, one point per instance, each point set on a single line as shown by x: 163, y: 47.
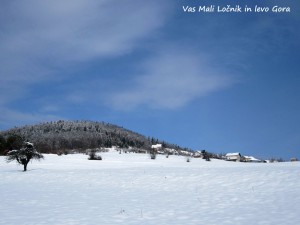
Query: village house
x: 157, y: 148
x: 197, y: 154
x: 252, y: 159
x: 233, y: 156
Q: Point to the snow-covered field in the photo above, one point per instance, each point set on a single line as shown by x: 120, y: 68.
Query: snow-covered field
x: 133, y: 189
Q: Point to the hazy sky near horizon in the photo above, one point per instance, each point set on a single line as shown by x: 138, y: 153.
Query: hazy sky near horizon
x: 224, y: 82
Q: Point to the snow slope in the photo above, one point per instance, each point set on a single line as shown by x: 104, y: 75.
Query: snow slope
x: 133, y: 189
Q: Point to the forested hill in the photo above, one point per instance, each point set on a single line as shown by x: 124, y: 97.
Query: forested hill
x: 51, y: 137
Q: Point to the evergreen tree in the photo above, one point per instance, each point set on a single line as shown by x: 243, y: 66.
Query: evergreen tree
x: 14, y: 142
x: 2, y: 145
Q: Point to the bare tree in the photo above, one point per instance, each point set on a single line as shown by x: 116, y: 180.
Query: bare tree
x: 24, y: 154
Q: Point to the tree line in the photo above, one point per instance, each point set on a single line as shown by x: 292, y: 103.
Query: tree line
x: 52, y: 137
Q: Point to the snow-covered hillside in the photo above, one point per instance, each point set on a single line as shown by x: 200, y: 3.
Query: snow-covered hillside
x: 133, y: 189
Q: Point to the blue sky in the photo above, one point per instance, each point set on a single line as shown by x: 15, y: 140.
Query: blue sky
x: 222, y: 82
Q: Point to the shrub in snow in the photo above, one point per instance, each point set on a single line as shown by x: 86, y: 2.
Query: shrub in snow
x: 93, y: 155
x: 205, y: 155
x: 153, y: 153
x: 24, y: 154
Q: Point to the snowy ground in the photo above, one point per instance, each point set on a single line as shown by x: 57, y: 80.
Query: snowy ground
x: 133, y: 189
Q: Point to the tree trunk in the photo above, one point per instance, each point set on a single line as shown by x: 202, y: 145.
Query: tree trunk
x: 25, y: 167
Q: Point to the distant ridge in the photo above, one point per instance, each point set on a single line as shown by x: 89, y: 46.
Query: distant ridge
x: 52, y: 137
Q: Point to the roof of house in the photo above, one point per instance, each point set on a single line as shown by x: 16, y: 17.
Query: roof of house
x: 156, y: 146
x: 251, y: 158
x: 233, y: 154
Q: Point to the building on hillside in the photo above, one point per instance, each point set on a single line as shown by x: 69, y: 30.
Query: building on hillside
x: 197, y: 154
x: 294, y: 159
x: 233, y: 156
x: 157, y: 148
x: 252, y: 159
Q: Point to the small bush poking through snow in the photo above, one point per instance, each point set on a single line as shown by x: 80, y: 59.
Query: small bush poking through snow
x: 153, y: 156
x: 93, y: 155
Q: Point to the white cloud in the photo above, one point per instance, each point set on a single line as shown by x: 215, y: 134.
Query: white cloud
x: 171, y: 80
x: 39, y: 39
x: 77, y: 30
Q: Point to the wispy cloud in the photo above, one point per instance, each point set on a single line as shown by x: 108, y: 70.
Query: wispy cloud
x: 78, y: 30
x: 44, y: 41
x: 40, y: 38
x: 171, y: 79
x: 47, y: 42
